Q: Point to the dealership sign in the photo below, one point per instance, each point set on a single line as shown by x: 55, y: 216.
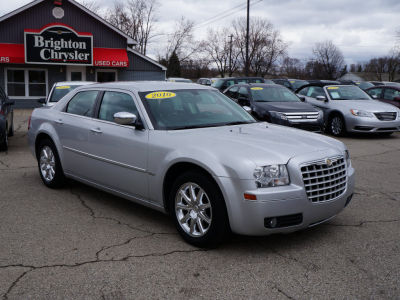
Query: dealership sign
x: 58, y: 44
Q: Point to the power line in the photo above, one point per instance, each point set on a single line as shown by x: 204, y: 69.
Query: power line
x: 225, y: 14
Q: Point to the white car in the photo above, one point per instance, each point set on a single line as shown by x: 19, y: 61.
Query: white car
x: 60, y: 89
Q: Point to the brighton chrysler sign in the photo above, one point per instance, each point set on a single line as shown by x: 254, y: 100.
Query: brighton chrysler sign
x: 58, y: 44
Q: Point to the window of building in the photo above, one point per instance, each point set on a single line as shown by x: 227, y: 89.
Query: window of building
x: 26, y: 83
x: 106, y: 75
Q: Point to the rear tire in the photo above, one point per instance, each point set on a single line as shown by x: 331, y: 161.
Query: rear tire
x: 11, y: 130
x: 337, y: 126
x: 4, y: 141
x: 49, y: 165
x: 198, y: 209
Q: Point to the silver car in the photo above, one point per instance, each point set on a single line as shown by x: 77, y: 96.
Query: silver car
x: 60, y: 89
x: 190, y: 151
x: 347, y: 108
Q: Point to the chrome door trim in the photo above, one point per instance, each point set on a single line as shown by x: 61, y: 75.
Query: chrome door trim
x: 107, y: 160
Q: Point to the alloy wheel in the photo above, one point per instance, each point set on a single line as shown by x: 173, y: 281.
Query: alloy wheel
x: 193, y: 209
x: 47, y: 163
x: 336, y: 126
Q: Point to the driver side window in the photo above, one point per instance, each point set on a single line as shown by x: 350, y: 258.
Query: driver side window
x: 114, y: 102
x: 233, y: 92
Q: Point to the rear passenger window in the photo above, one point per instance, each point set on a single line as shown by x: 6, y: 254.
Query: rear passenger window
x: 315, y: 91
x: 114, y: 102
x: 83, y: 103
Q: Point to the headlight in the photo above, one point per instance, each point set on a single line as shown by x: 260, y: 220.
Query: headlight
x: 347, y: 157
x: 361, y: 113
x: 279, y: 115
x: 272, y: 175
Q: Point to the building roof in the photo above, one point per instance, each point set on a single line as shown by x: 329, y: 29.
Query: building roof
x: 130, y: 41
x: 147, y: 58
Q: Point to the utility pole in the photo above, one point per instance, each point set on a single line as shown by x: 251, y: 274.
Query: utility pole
x: 247, y: 39
x: 230, y: 55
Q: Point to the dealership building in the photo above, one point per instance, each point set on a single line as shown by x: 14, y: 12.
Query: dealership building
x: 48, y: 41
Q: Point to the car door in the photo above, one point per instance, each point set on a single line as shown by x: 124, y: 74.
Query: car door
x: 391, y: 96
x: 72, y: 127
x: 311, y: 97
x: 119, y: 152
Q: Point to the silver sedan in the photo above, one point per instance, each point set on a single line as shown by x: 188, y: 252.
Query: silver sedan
x: 189, y: 151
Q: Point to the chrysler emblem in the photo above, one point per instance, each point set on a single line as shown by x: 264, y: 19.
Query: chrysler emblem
x: 328, y: 162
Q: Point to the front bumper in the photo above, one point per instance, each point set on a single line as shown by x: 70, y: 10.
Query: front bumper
x: 248, y: 216
x: 310, y: 125
x: 372, y: 125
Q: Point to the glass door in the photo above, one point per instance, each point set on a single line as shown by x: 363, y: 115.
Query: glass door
x: 76, y: 73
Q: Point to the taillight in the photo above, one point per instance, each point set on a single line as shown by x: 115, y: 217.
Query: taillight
x: 29, y: 122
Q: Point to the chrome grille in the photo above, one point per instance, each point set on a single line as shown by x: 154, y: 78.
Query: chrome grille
x: 324, y: 180
x: 301, y: 116
x: 386, y: 116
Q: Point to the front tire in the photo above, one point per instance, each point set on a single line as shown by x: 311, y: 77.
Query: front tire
x: 337, y: 126
x: 198, y: 209
x: 4, y: 141
x: 11, y: 130
x: 50, y: 169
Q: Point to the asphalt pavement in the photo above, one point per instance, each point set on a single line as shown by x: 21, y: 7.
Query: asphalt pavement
x: 81, y: 243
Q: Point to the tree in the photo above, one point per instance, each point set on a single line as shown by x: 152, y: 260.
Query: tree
x: 91, y: 5
x: 265, y: 44
x: 174, y: 66
x: 136, y: 18
x: 330, y: 58
x: 292, y: 68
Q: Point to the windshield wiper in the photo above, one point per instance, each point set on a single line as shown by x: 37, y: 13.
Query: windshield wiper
x: 196, y: 126
x: 237, y: 123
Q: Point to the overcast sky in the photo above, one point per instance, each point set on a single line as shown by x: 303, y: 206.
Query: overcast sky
x: 361, y: 28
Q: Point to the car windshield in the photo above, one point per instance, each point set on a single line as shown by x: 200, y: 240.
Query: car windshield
x: 217, y: 84
x: 298, y: 83
x: 347, y: 93
x: 273, y: 94
x: 192, y: 108
x: 61, y: 91
x: 364, y: 85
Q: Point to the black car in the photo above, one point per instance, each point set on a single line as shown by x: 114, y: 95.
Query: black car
x: 6, y: 119
x: 292, y: 84
x: 224, y: 83
x: 204, y: 81
x: 276, y: 104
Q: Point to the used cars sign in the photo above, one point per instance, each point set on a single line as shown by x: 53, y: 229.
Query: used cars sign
x: 58, y: 44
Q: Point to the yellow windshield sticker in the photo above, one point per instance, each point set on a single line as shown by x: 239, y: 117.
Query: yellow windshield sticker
x: 333, y: 88
x: 292, y: 81
x: 63, y: 87
x: 160, y: 95
x: 257, y: 88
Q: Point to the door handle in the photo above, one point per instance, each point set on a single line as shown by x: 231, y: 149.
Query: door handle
x: 96, y: 130
x: 59, y: 121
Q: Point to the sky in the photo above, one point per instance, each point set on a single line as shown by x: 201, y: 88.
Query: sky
x: 362, y: 29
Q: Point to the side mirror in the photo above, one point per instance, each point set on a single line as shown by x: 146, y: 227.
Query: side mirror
x: 247, y: 109
x: 9, y: 101
x: 125, y: 118
x: 302, y: 98
x: 321, y: 98
x: 42, y: 100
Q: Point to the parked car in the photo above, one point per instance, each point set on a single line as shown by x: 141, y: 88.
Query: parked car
x: 388, y: 94
x: 276, y: 104
x: 361, y: 84
x: 223, y: 83
x: 292, y: 84
x: 204, y: 81
x: 178, y: 79
x: 377, y: 83
x: 6, y: 119
x: 190, y: 151
x: 347, y: 108
x: 60, y: 89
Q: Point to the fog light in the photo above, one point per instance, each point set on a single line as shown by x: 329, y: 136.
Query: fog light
x: 270, y: 222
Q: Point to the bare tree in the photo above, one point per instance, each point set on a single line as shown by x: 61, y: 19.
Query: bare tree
x: 265, y: 44
x: 136, y: 18
x: 181, y: 41
x: 330, y: 58
x: 91, y: 5
x: 292, y: 67
x: 219, y: 48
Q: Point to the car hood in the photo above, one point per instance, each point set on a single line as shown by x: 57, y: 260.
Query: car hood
x: 263, y: 143
x: 367, y: 105
x: 286, y: 106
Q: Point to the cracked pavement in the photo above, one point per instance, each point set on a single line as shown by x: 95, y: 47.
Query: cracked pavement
x: 81, y: 243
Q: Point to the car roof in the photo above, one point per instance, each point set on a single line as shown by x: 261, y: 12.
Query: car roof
x: 322, y: 84
x: 74, y: 83
x: 143, y: 86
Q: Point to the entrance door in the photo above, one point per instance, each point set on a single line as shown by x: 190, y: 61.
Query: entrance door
x: 76, y: 73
